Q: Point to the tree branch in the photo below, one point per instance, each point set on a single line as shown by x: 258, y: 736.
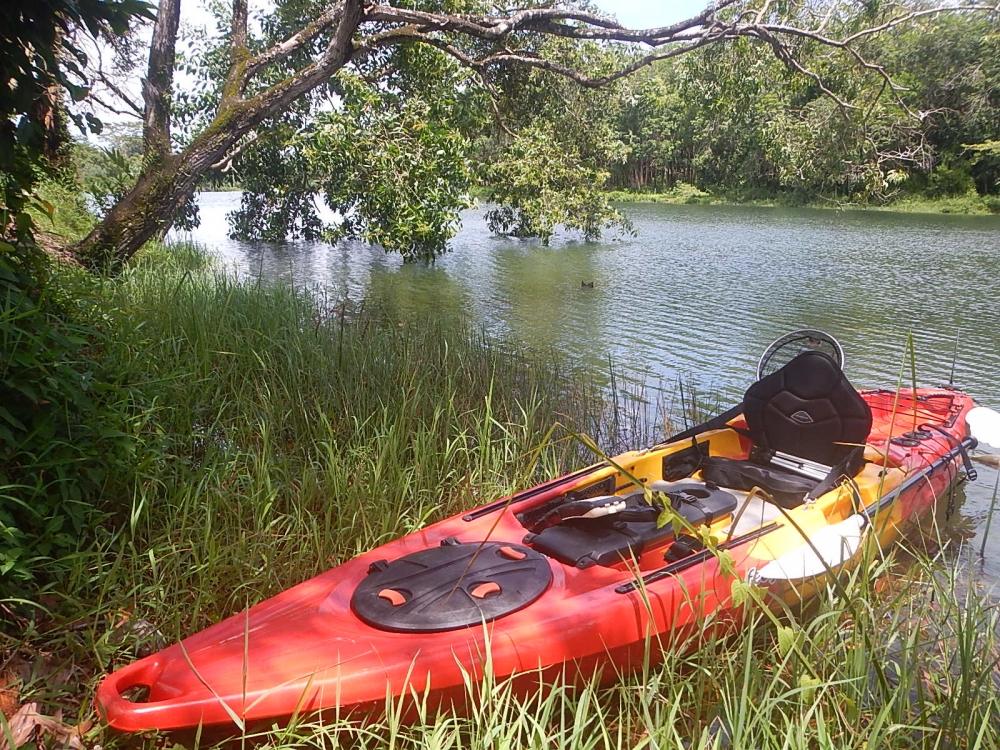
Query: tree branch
x: 226, y: 162
x: 914, y: 15
x: 239, y: 25
x: 116, y: 110
x: 295, y: 42
x: 440, y: 30
x: 785, y: 56
x: 552, y: 21
x: 339, y: 52
x: 238, y: 53
x: 412, y: 34
x: 134, y: 110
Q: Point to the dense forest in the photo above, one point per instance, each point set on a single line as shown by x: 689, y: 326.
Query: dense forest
x: 738, y: 122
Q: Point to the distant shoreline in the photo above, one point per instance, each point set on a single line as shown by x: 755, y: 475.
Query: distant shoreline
x: 963, y: 205
x: 966, y: 205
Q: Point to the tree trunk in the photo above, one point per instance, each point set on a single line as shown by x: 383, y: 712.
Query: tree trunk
x: 145, y: 212
x: 157, y: 86
x: 148, y: 209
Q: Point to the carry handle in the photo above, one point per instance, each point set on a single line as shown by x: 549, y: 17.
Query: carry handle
x: 116, y: 709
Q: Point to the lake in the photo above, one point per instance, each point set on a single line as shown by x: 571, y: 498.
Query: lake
x: 698, y: 294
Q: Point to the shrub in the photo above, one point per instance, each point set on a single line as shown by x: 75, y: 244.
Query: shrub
x: 950, y: 180
x: 62, y: 424
x: 688, y: 193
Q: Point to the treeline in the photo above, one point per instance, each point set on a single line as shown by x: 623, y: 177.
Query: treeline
x: 734, y: 120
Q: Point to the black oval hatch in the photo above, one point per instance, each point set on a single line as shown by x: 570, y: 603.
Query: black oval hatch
x: 452, y: 586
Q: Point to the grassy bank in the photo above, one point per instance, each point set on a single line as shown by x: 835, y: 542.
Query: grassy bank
x: 684, y: 194
x: 251, y: 436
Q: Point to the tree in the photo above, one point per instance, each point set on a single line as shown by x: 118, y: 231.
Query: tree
x: 42, y: 59
x: 305, y: 43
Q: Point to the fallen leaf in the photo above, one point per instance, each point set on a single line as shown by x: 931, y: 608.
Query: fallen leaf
x: 27, y: 723
x: 8, y: 695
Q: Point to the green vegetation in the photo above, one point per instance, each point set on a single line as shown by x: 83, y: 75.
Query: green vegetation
x: 250, y: 436
x: 55, y: 446
x: 726, y: 123
x: 176, y: 443
x: 684, y: 194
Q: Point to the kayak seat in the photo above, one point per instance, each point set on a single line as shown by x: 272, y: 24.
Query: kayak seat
x: 626, y: 534
x: 807, y: 409
x: 806, y: 423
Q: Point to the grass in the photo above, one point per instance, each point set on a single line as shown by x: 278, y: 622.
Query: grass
x: 275, y: 434
x: 68, y: 217
x: 684, y: 194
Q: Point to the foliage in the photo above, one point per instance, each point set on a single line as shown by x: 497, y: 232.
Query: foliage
x: 106, y: 173
x: 42, y: 54
x: 539, y: 183
x: 59, y: 438
x: 684, y: 192
x: 278, y: 200
x: 547, y: 165
x: 737, y: 123
x: 63, y: 422
x: 396, y: 177
x: 396, y: 163
x: 984, y: 159
x: 950, y: 180
x: 952, y: 67
x: 114, y: 173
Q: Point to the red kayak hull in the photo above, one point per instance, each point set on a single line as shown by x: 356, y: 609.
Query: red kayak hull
x: 305, y: 650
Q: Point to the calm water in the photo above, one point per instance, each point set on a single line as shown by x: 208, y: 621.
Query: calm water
x: 699, y: 293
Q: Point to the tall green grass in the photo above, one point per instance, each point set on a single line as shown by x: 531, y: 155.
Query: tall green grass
x: 277, y: 435
x: 272, y: 437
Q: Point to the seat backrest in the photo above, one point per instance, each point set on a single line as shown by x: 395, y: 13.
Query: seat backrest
x: 806, y: 408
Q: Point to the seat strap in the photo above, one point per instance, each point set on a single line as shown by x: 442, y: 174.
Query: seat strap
x: 717, y: 422
x: 848, y: 467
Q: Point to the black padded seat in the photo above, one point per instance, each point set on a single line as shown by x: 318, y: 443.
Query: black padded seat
x: 613, y: 539
x: 807, y: 409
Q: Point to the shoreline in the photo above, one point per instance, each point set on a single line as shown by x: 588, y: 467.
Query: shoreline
x: 961, y: 205
x: 965, y: 205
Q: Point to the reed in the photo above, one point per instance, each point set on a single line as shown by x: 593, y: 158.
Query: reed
x: 278, y: 433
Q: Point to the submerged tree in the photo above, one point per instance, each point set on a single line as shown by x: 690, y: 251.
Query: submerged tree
x: 273, y: 67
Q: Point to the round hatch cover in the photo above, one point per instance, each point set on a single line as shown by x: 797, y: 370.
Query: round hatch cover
x: 451, y: 586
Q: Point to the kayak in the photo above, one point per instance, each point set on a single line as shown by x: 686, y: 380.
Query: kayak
x: 589, y: 575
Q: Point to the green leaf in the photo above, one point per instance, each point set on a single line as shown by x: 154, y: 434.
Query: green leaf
x: 787, y: 637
